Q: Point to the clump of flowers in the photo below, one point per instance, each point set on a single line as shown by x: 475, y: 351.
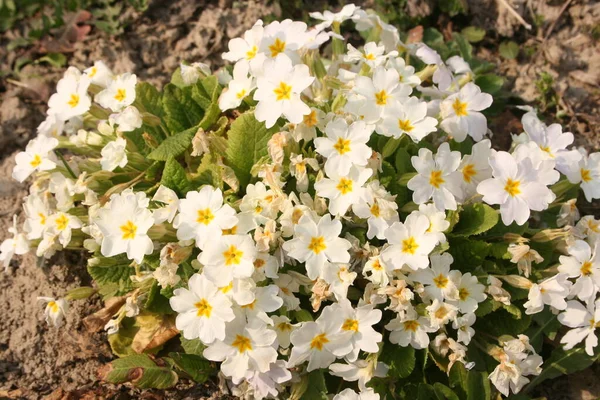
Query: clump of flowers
x: 318, y: 218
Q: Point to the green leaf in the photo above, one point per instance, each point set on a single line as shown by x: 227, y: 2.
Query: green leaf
x: 509, y: 50
x: 490, y: 83
x: 112, y: 280
x: 174, y: 177
x: 475, y: 219
x: 401, y: 360
x: 248, y: 140
x: 458, y: 379
x: 181, y: 112
x: 57, y: 60
x: 120, y: 342
x: 443, y: 392
x: 502, y: 322
x: 473, y: 34
x: 465, y: 48
x: 173, y: 145
x: 156, y: 302
x: 468, y: 253
x: 197, y: 367
x: 206, y: 91
x: 426, y: 392
x: 390, y: 147
x: 142, y: 371
x: 193, y: 346
x: 478, y: 386
x: 402, y: 162
x: 149, y: 97
x: 317, y: 388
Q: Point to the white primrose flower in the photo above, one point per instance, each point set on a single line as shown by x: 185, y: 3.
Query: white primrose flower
x: 349, y: 394
x: 114, y: 155
x: 203, y: 216
x: 62, y: 225
x: 377, y: 271
x: 228, y: 257
x: 461, y: 113
x: 127, y: 120
x: 582, y: 263
x: 268, y: 384
x: 515, y: 186
x: 307, y: 129
x: 344, y: 190
x: 440, y: 313
x: 18, y: 244
x: 71, y: 98
x: 320, y: 342
x: 55, y: 311
x: 191, y: 73
x: 286, y: 37
x: 437, y: 278
x: 408, y: 117
x: 287, y: 287
x: 360, y: 370
x: 438, y: 223
x: 170, y: 200
x: 382, y: 91
x: 299, y: 171
x: 339, y: 278
x: 552, y: 291
x: 568, y: 214
x: 584, y: 321
x: 266, y: 300
x: 239, y: 87
x: 245, y: 348
x: 515, y: 363
x: 371, y: 54
x: 436, y: 177
x: 317, y: 243
x: 587, y: 174
x: 344, y: 146
x: 202, y: 310
x: 119, y: 94
x: 99, y: 74
x: 38, y: 156
x: 463, y: 325
x: 470, y: 292
x: 406, y: 73
x: 475, y: 168
x: 124, y: 224
x: 278, y: 91
x: 410, y: 330
x: 246, y: 48
x: 37, y: 211
x: 283, y: 328
x: 330, y: 18
x: 51, y: 126
x: 410, y: 243
x: 379, y: 208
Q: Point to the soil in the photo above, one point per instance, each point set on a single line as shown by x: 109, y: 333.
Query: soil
x: 38, y: 361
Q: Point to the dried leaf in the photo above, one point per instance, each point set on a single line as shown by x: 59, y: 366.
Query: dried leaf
x: 97, y: 321
x: 154, y: 331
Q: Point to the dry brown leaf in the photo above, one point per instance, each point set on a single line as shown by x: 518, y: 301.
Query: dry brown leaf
x: 154, y: 331
x: 97, y: 321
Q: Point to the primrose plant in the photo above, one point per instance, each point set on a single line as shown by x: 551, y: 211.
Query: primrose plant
x: 318, y: 218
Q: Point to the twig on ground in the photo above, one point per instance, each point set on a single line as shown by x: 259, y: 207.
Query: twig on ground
x: 515, y: 14
x: 560, y: 13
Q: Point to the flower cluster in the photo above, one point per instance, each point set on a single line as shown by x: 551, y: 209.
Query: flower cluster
x: 302, y: 214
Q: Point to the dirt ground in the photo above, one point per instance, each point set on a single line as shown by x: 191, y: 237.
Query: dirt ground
x: 37, y: 361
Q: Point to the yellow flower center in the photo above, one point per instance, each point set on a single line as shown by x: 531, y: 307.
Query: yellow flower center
x: 377, y: 265
x: 232, y: 255
x: 240, y: 95
x: 440, y: 281
x: 230, y: 231
x: 512, y: 187
x: 409, y: 245
x: 204, y: 308
x: 463, y: 294
x: 53, y: 307
x: 129, y: 230
x: 93, y: 72
x: 37, y: 160
x: 42, y: 218
x: 441, y: 312
x: 284, y: 326
x: 375, y: 211
x: 259, y: 263
x: 344, y: 185
x: 250, y: 306
x: 310, y: 120
x: 277, y: 47
x: 242, y: 343
x: 317, y: 244
x: 411, y: 325
x: 586, y: 175
x: 593, y: 226
x: 350, y: 325
x: 250, y: 54
x: 460, y: 108
x: 62, y: 222
x: 283, y: 91
x: 369, y: 56
x: 319, y: 341
x: 226, y: 289
x: 469, y: 172
x: 435, y: 179
x: 342, y: 145
x: 296, y: 215
x: 121, y: 94
x: 586, y: 268
x: 74, y: 100
x: 381, y: 98
x: 205, y: 216
x: 547, y: 150
x: 405, y: 125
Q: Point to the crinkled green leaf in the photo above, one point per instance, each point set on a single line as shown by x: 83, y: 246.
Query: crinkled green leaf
x: 475, y: 219
x: 156, y: 302
x: 197, y: 367
x: 181, y: 112
x: 142, y: 371
x: 443, y: 392
x: 502, y: 322
x: 473, y: 34
x: 468, y: 253
x: 174, y: 177
x: 490, y: 83
x: 174, y: 145
x: 192, y: 346
x: 149, y: 98
x: 478, y: 386
x: 112, y: 280
x: 509, y: 50
x: 317, y: 388
x: 401, y: 360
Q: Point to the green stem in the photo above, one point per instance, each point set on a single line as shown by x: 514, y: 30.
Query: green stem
x: 65, y: 164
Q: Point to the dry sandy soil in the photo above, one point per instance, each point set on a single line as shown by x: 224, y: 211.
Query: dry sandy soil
x: 38, y: 361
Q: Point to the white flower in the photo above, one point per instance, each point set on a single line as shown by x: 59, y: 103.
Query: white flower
x: 383, y: 90
x: 307, y: 129
x: 408, y: 117
x: 298, y: 170
x: 515, y: 186
x: 320, y: 342
x: 62, y: 224
x: 437, y: 278
x: 470, y: 292
x: 552, y: 291
x: 349, y: 394
x: 171, y: 202
x: 278, y: 91
x: 239, y: 87
x: 283, y: 328
x: 266, y: 300
x: 587, y: 174
x: 71, y: 98
x: 344, y: 146
x: 315, y: 244
x: 360, y: 323
x: 372, y: 54
x: 441, y: 313
x: 583, y: 264
x: 463, y: 327
x: 378, y: 272
x: 406, y: 72
x: 124, y: 224
x: 202, y: 310
x: 283, y: 38
x: 119, y: 93
x: 268, y: 384
x: 461, y: 113
x: 380, y: 210
x: 203, y: 216
x: 127, y: 120
x: 114, y: 155
x: 55, y: 311
x: 410, y: 243
x: 18, y: 244
x: 191, y: 73
x: 344, y: 190
x: 515, y: 363
x: 410, y: 330
x: 166, y: 275
x: 245, y: 348
x: 37, y: 156
x: 584, y: 322
x: 37, y: 211
x: 51, y: 126
x: 436, y: 177
x: 246, y: 47
x: 287, y: 287
x: 475, y: 168
x: 360, y: 370
x: 99, y: 74
x: 568, y: 214
x: 329, y: 17
x: 438, y: 223
x: 228, y: 257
